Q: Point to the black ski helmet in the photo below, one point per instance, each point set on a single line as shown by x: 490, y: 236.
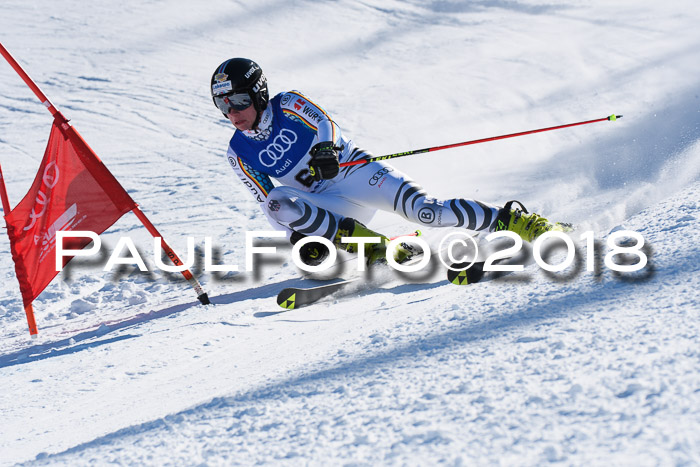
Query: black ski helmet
x: 241, y: 75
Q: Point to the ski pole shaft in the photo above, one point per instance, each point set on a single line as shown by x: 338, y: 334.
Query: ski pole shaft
x: 417, y: 233
x: 476, y: 141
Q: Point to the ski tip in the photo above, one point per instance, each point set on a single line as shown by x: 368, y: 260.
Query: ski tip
x: 614, y: 117
x: 287, y: 300
x: 460, y: 276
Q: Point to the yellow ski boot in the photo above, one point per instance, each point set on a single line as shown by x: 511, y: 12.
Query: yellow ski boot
x: 374, y: 252
x: 528, y: 226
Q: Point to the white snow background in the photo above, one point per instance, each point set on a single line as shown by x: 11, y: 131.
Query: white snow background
x: 573, y: 368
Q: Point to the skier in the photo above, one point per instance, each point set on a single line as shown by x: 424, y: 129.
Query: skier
x: 295, y: 141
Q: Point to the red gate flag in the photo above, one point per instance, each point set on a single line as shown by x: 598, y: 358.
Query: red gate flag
x: 73, y: 190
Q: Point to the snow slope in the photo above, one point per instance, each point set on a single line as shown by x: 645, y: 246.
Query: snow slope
x: 574, y: 368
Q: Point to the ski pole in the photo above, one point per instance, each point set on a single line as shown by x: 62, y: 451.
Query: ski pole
x: 612, y: 117
x: 417, y: 233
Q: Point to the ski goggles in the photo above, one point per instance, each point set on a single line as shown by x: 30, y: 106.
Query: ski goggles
x: 230, y: 102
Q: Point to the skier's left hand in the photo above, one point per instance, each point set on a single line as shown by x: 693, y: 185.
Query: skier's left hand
x: 324, y: 161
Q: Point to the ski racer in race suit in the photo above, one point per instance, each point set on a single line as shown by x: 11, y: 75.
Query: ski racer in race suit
x: 293, y: 140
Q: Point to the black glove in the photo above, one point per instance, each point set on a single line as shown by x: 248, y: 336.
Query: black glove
x: 324, y: 161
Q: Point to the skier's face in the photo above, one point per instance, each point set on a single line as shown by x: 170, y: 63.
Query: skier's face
x: 243, y: 119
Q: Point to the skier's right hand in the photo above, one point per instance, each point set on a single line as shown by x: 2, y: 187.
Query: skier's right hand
x: 324, y: 161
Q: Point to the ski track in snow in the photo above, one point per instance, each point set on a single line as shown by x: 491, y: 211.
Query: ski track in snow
x: 571, y: 368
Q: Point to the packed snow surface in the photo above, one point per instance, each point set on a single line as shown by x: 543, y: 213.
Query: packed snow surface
x: 575, y: 367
